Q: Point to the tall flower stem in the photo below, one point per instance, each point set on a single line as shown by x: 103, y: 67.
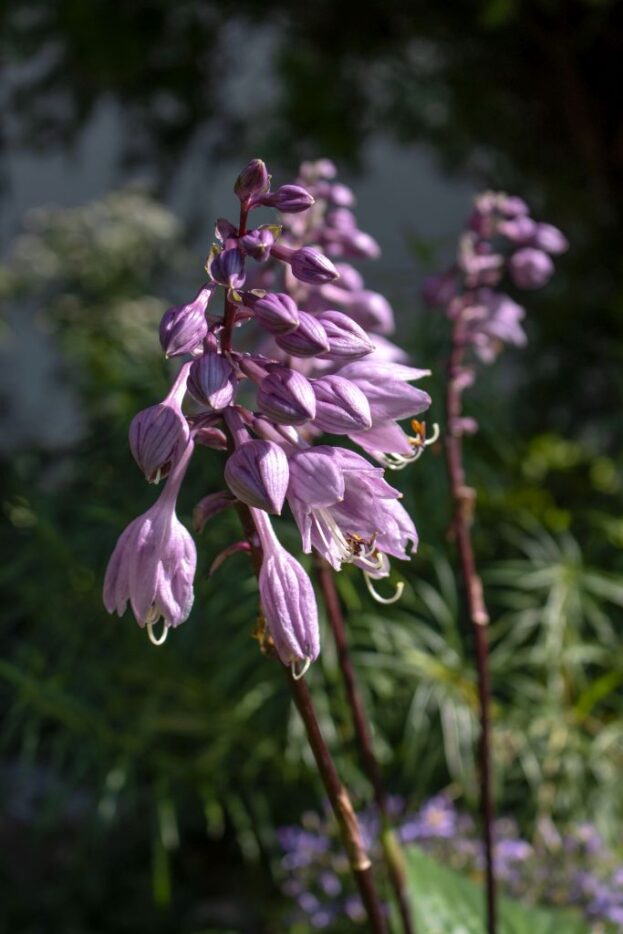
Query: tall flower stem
x: 358, y: 858
x: 463, y: 500
x: 392, y: 850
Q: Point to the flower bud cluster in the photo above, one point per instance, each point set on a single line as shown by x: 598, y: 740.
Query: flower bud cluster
x: 500, y: 240
x: 321, y: 369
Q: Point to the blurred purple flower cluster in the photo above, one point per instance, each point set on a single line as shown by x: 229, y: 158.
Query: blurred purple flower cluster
x: 321, y: 368
x: 570, y: 869
x: 500, y: 239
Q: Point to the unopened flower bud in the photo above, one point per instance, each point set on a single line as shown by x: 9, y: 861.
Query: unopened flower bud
x: 156, y: 436
x: 211, y: 381
x: 347, y: 340
x: 276, y: 312
x: 225, y: 230
x: 289, y: 605
x: 321, y: 168
x: 511, y: 205
x: 337, y: 194
x: 308, y: 340
x: 286, y: 396
x: 257, y: 473
x: 519, y: 229
x: 357, y: 243
x: 253, y: 180
x: 372, y: 311
x: 257, y: 243
x: 530, y: 268
x: 289, y: 199
x: 350, y: 278
x: 341, y: 407
x: 341, y: 219
x: 550, y: 238
x: 313, y: 267
x: 227, y: 268
x: 386, y: 388
x: 183, y: 328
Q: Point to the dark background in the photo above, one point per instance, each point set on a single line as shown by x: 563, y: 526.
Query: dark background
x: 116, y: 758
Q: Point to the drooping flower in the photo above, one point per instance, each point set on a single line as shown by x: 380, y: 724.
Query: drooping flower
x: 530, y: 268
x: 153, y: 564
x: 160, y: 433
x: 257, y: 474
x: 288, y: 601
x: 212, y: 381
x: 184, y: 327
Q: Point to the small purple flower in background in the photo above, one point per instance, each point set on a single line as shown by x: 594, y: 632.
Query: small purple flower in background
x: 572, y: 869
x: 437, y: 819
x: 322, y: 368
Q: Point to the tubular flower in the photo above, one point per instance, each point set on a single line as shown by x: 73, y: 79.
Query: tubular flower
x: 288, y: 601
x: 153, y: 564
x: 346, y: 511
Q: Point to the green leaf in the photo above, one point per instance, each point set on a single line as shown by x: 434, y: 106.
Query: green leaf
x: 445, y: 902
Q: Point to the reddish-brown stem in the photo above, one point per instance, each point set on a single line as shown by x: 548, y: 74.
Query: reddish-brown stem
x: 242, y: 225
x: 228, y: 324
x: 358, y: 858
x: 463, y: 500
x: 231, y: 307
x: 391, y: 848
x: 360, y: 864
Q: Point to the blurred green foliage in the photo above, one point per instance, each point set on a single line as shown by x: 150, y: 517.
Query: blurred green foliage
x: 168, y: 770
x: 446, y: 903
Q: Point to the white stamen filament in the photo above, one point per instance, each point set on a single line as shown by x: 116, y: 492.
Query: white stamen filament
x: 338, y: 538
x: 157, y: 640
x: 297, y: 673
x: 379, y: 599
x: 435, y: 435
x: 376, y: 564
x: 400, y: 461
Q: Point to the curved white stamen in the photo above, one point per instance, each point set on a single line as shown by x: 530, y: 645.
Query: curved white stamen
x: 157, y: 640
x: 379, y: 599
x: 376, y: 565
x: 389, y: 459
x: 404, y: 461
x: 297, y: 674
x: 435, y: 435
x: 400, y: 461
